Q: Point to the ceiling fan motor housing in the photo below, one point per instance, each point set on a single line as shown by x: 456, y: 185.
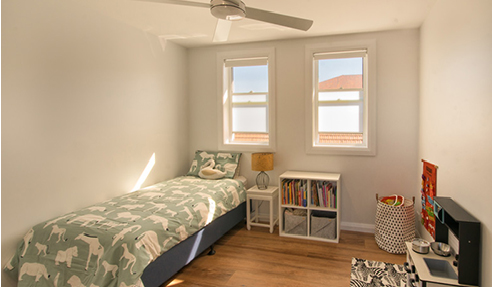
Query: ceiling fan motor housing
x: 228, y: 9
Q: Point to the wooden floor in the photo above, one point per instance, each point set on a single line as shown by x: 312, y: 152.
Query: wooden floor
x: 259, y: 258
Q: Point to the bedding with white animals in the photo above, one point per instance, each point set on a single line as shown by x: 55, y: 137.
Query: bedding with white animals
x: 111, y: 243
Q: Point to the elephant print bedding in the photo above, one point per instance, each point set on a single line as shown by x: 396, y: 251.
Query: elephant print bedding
x: 111, y: 243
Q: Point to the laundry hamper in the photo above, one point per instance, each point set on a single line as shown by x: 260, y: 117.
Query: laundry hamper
x: 395, y: 224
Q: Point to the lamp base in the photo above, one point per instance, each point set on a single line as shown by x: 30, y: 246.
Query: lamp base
x: 262, y: 180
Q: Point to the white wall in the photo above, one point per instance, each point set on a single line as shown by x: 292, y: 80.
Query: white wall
x: 394, y: 167
x: 86, y: 101
x: 456, y: 108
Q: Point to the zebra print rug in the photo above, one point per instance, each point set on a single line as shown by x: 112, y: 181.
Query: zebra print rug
x: 367, y: 273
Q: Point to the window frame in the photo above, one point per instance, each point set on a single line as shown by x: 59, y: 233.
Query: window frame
x: 313, y: 53
x: 225, y: 104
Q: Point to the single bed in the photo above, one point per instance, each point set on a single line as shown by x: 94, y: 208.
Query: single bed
x: 138, y: 239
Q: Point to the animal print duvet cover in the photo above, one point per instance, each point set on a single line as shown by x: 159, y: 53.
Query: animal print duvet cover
x: 111, y: 243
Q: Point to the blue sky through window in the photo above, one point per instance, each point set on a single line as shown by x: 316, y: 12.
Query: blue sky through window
x: 250, y: 78
x: 247, y: 118
x: 332, y: 68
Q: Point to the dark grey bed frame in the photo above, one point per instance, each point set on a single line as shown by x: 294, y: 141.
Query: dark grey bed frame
x: 169, y: 263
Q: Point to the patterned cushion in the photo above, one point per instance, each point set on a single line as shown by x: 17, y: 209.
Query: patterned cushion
x: 224, y: 161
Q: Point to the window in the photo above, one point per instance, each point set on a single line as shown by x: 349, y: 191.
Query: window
x: 341, y: 100
x: 247, y: 101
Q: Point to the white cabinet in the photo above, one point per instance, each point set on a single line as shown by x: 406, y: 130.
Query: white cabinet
x: 310, y: 205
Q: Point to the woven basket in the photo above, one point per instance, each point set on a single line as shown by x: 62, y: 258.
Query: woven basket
x: 395, y: 225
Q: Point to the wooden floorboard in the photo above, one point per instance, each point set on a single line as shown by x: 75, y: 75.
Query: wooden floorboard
x: 259, y: 258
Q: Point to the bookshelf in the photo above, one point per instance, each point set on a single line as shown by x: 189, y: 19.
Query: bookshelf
x: 310, y: 205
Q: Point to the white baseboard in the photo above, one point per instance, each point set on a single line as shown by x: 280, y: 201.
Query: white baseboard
x: 370, y: 228
x: 360, y: 227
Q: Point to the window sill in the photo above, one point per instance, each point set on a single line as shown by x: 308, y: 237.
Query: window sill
x: 247, y: 147
x: 342, y: 150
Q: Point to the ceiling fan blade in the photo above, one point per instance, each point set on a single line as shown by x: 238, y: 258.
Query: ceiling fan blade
x: 278, y: 19
x: 222, y: 30
x: 180, y: 2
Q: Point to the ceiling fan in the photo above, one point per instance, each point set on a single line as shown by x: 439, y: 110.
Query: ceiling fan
x: 227, y: 11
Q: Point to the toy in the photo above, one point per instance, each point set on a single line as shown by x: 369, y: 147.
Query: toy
x: 394, y: 200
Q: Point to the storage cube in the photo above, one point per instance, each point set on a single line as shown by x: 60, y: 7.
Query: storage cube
x: 307, y: 192
x: 324, y: 224
x: 295, y: 224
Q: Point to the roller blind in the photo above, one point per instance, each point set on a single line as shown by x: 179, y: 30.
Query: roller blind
x: 246, y: 62
x: 339, y: 55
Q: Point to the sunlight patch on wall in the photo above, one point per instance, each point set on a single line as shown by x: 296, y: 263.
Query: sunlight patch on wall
x: 145, y: 173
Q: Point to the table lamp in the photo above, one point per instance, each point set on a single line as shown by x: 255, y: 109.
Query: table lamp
x: 262, y: 162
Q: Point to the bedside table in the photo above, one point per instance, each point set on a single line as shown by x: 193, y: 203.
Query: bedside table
x: 270, y: 194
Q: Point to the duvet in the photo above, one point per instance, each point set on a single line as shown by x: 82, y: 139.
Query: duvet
x: 111, y: 243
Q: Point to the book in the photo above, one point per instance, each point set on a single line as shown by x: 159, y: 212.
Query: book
x: 294, y: 192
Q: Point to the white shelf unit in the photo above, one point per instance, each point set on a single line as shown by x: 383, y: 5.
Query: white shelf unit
x: 309, y: 177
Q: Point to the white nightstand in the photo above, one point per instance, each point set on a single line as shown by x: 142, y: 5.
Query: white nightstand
x: 270, y: 194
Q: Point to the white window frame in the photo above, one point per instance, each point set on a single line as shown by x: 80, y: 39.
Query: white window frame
x: 225, y: 100
x: 313, y: 52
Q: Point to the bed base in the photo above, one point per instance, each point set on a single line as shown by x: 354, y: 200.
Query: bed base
x: 169, y: 263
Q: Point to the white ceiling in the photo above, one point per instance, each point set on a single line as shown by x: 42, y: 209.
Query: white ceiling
x: 194, y: 26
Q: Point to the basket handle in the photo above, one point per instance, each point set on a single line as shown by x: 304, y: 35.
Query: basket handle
x: 396, y: 198
x: 413, y: 199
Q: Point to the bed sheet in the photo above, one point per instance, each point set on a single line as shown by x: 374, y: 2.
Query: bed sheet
x: 111, y: 243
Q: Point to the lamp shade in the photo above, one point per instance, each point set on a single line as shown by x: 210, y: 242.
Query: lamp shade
x: 262, y: 161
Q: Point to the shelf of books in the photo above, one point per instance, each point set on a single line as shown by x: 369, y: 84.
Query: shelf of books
x: 310, y: 205
x: 324, y: 194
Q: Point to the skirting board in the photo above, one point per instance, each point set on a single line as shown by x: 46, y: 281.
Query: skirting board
x: 370, y: 228
x: 360, y: 227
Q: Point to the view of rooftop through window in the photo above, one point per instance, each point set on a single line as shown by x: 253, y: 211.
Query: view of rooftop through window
x: 332, y: 68
x: 250, y: 103
x: 340, y: 84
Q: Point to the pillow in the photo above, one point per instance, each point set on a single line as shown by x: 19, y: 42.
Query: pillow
x: 227, y: 162
x: 200, y: 159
